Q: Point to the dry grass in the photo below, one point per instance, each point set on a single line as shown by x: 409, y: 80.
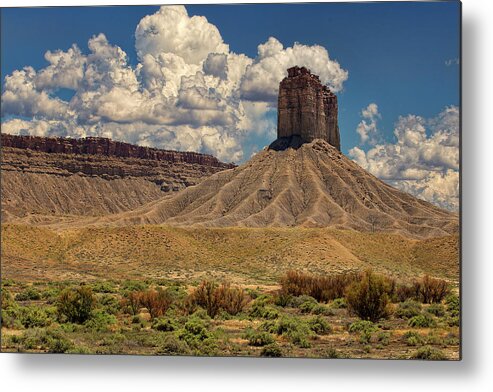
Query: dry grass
x: 240, y: 255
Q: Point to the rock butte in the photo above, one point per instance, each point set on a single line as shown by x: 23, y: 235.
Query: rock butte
x: 307, y: 110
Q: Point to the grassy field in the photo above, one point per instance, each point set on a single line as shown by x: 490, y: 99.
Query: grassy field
x: 240, y: 255
x: 34, y: 320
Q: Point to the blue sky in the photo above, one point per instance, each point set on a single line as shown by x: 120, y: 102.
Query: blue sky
x: 403, y: 57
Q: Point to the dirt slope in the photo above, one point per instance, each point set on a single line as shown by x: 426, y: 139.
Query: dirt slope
x: 312, y: 186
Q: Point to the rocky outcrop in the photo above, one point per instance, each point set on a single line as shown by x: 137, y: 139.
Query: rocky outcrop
x: 108, y: 147
x: 307, y: 110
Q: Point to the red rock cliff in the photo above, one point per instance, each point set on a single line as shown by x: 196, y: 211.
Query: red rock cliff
x: 107, y: 147
x: 307, y: 109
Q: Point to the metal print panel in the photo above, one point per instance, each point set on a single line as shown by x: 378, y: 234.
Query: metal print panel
x: 275, y: 180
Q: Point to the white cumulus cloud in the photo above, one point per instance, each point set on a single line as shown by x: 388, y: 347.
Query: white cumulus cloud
x: 21, y: 97
x: 188, y: 91
x: 171, y: 30
x: 262, y: 77
x: 367, y: 128
x: 66, y: 69
x: 423, y: 161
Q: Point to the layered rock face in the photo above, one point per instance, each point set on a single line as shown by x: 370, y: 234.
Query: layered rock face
x: 91, y: 177
x: 107, y: 147
x: 307, y: 110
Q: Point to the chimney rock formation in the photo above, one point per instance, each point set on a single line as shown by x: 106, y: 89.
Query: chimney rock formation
x: 307, y: 110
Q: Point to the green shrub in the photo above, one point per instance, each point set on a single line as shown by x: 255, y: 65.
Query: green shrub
x: 368, y: 298
x: 100, y: 321
x: 323, y: 310
x: 338, y: 303
x: 7, y: 299
x: 413, y: 338
x: 301, y: 300
x: 451, y: 340
x: 33, y: 316
x: 256, y: 338
x: 173, y: 346
x: 319, y: 325
x: 113, y: 339
x: 296, y: 330
x: 453, y: 321
x: 165, y: 325
x: 29, y: 294
x: 452, y: 304
x: 103, y: 286
x: 252, y: 293
x: 261, y: 310
x: 51, y: 294
x: 76, y: 304
x: 429, y: 353
x: 269, y: 326
x: 383, y: 338
x: 134, y: 285
x: 299, y: 338
x: 7, y: 282
x: 110, y: 304
x: 365, y: 336
x: 59, y: 345
x: 271, y: 350
x: 408, y: 309
x: 308, y: 304
x: 434, y: 338
x: 202, y: 314
x: 177, y: 291
x: 70, y: 327
x: 10, y: 311
x: 437, y: 310
x: 44, y: 340
x: 365, y: 330
x: 361, y: 326
x: 10, y: 318
x: 422, y: 321
x: 281, y: 298
x: 197, y: 336
x: 194, y: 329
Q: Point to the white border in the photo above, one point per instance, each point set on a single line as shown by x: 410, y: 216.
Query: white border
x: 138, y: 374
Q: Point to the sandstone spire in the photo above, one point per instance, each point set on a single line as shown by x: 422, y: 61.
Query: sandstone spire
x: 307, y: 110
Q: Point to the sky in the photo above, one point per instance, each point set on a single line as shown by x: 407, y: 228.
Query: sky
x: 205, y: 77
